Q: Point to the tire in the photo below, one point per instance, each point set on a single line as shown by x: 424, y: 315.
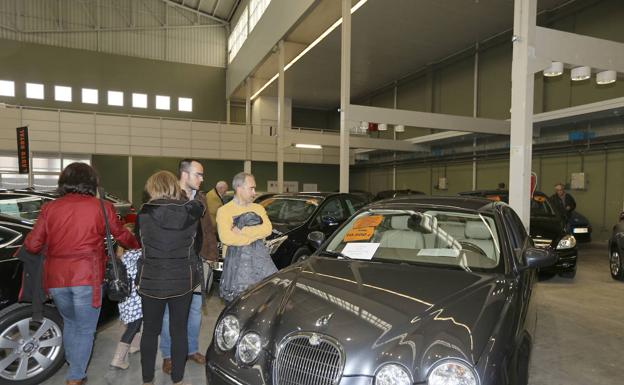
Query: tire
x: 300, y: 254
x: 28, y: 362
x: 521, y: 376
x: 569, y: 274
x: 615, y: 265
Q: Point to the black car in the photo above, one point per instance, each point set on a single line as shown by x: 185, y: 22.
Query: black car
x: 408, y: 291
x: 30, y: 351
x: 580, y: 227
x: 295, y: 215
x: 616, y: 249
x: 389, y: 194
x: 548, y: 229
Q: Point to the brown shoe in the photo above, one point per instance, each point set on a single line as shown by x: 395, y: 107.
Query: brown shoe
x: 198, y: 358
x: 166, y: 366
x: 76, y: 382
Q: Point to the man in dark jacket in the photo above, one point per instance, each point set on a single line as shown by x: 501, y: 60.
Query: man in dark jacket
x: 562, y: 200
x: 191, y: 176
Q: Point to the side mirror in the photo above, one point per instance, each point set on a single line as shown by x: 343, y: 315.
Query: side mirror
x: 315, y: 239
x: 536, y: 257
x: 329, y: 221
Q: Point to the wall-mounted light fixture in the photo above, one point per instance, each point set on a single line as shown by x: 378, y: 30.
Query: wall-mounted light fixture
x: 399, y: 128
x: 606, y: 77
x: 580, y: 73
x: 555, y: 69
x: 310, y: 146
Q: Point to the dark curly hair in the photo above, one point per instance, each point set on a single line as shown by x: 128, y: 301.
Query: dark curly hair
x: 78, y: 178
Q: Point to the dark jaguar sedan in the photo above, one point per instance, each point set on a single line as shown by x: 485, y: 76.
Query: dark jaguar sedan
x: 409, y: 291
x: 548, y: 229
x: 616, y: 250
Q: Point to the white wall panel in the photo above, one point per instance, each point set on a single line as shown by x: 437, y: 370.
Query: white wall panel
x: 141, y: 28
x: 72, y: 137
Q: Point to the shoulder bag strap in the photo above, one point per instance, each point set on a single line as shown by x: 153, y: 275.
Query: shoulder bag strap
x: 109, y: 240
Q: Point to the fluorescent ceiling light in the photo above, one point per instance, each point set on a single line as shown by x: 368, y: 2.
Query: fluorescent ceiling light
x: 312, y: 146
x: 89, y: 96
x: 139, y: 100
x: 580, y: 73
x: 115, y: 98
x: 555, y: 69
x: 185, y: 104
x: 7, y: 88
x: 309, y: 47
x: 163, y: 102
x: 606, y: 77
x: 34, y: 91
x: 62, y: 94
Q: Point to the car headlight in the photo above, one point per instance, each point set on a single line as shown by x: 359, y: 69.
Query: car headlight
x: 227, y: 332
x: 452, y: 372
x: 249, y: 347
x: 392, y: 374
x: 567, y: 242
x: 275, y: 243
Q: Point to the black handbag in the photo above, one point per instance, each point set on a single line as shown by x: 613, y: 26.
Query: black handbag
x: 116, y: 281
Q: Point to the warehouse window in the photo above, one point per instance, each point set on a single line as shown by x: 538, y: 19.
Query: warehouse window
x: 256, y: 9
x: 163, y: 102
x: 62, y: 94
x: 7, y: 88
x: 115, y: 98
x: 46, y: 169
x: 185, y: 104
x: 139, y: 100
x: 89, y: 96
x: 238, y: 35
x: 34, y: 91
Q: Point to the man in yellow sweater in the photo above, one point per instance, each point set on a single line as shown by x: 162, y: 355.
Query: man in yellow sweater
x: 242, y: 227
x: 214, y: 200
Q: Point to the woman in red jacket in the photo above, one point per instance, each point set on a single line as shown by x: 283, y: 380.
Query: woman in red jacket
x: 70, y: 233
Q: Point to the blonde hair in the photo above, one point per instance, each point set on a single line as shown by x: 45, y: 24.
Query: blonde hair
x: 163, y: 185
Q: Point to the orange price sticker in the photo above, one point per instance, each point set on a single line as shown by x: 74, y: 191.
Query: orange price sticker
x: 361, y: 234
x: 266, y: 202
x: 539, y: 198
x: 369, y: 221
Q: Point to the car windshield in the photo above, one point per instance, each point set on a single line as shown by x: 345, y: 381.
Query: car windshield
x: 458, y: 239
x: 22, y: 207
x: 540, y: 206
x: 290, y: 209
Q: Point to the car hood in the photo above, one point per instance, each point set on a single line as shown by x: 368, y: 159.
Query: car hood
x: 378, y: 311
x: 549, y: 227
x: 578, y: 219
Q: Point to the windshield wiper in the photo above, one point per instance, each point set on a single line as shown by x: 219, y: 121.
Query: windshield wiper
x: 334, y: 254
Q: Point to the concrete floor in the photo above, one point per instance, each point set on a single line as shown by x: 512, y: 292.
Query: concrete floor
x: 580, y: 336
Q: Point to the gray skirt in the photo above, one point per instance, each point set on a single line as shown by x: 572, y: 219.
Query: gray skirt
x: 244, y: 266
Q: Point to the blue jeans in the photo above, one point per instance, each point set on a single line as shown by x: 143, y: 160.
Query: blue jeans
x: 79, y: 324
x: 193, y: 325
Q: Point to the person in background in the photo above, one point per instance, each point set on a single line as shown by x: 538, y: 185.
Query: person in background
x: 564, y: 201
x: 130, y: 312
x: 190, y: 177
x: 214, y: 200
x: 168, y: 271
x: 242, y: 226
x: 70, y: 232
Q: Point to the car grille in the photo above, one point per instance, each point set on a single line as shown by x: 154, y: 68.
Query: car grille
x: 542, y: 242
x: 308, y: 359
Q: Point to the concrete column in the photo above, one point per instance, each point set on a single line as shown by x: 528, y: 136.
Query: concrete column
x: 281, y: 118
x: 522, y: 109
x: 475, y: 110
x: 227, y: 111
x: 394, y: 136
x: 136, y: 204
x: 345, y: 94
x: 249, y: 130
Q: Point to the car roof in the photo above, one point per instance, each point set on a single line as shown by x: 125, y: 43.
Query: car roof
x: 321, y: 195
x: 465, y: 203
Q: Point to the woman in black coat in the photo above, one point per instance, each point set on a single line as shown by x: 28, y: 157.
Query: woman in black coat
x: 168, y: 270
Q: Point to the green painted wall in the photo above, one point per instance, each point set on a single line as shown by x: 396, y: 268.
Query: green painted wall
x: 237, y: 114
x: 113, y: 172
x: 26, y: 62
x: 327, y: 177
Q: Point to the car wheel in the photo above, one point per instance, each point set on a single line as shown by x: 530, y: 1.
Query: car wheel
x: 569, y: 274
x: 521, y: 377
x: 615, y: 263
x: 30, y: 352
x: 300, y: 255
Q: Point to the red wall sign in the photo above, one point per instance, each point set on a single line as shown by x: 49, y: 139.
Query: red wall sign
x: 23, y: 152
